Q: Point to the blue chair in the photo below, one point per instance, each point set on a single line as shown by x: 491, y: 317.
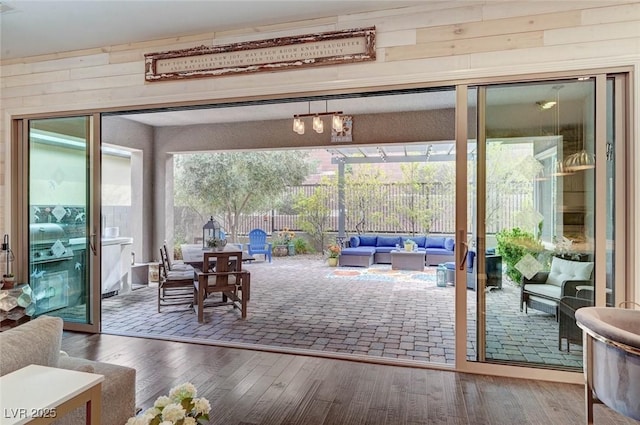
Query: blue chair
x: 258, y: 244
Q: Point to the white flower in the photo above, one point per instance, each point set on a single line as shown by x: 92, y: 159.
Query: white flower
x: 201, y: 405
x: 186, y: 390
x: 162, y: 401
x: 152, y: 411
x: 169, y: 410
x: 140, y: 420
x: 173, y: 412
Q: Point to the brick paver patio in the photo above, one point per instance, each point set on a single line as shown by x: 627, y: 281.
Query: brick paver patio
x: 301, y: 302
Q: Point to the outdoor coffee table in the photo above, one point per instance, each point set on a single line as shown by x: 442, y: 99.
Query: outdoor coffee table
x: 407, y: 260
x: 41, y: 394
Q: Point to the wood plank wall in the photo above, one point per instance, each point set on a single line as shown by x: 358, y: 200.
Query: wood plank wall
x: 436, y: 41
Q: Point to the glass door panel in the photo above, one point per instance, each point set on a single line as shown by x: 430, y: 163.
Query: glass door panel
x: 535, y: 246
x: 59, y: 217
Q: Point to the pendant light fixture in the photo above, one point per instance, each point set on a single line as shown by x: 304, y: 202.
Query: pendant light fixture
x: 581, y: 160
x: 317, y: 123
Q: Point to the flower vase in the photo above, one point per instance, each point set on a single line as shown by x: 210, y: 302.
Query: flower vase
x: 333, y: 261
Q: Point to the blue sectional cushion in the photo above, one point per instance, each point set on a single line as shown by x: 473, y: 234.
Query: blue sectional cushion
x: 419, y: 240
x: 366, y: 250
x: 384, y: 249
x: 449, y: 244
x: 389, y: 241
x: 368, y: 240
x: 439, y: 251
x: 354, y: 242
x: 434, y: 242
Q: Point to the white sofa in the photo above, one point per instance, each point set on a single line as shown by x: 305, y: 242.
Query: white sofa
x: 38, y: 342
x: 545, y: 289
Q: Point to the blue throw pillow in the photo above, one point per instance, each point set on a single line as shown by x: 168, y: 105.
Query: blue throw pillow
x: 449, y: 244
x: 419, y: 240
x: 354, y: 242
x: 433, y: 242
x: 368, y: 240
x: 389, y: 240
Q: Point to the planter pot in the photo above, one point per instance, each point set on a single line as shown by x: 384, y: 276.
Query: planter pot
x: 333, y: 262
x: 292, y: 249
x: 280, y: 251
x: 8, y: 282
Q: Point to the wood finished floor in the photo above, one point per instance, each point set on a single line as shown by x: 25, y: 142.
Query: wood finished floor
x: 252, y: 387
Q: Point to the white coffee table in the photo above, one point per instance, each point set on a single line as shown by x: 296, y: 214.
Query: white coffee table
x: 407, y: 260
x: 40, y: 394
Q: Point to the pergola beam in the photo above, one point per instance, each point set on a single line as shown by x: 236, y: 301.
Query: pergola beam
x: 388, y: 159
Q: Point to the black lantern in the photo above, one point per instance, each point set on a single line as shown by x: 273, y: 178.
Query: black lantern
x: 211, y: 230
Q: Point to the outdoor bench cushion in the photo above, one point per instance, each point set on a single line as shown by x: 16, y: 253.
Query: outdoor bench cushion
x: 362, y: 250
x: 419, y: 240
x: 368, y: 240
x: 388, y: 241
x: 434, y: 242
x: 544, y: 289
x: 386, y: 249
x: 438, y: 251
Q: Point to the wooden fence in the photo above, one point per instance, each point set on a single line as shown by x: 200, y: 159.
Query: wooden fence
x: 385, y: 208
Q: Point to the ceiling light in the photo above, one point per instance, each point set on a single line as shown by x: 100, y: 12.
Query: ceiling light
x: 581, y: 160
x: 546, y: 104
x: 561, y: 170
x: 317, y: 123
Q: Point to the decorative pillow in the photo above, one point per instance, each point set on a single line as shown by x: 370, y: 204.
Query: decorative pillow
x: 368, y: 240
x: 563, y: 270
x: 449, y: 243
x: 388, y: 241
x: 354, y: 242
x: 434, y: 242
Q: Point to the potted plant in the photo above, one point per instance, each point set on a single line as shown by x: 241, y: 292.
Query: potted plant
x: 283, y: 243
x: 9, y: 280
x: 217, y: 244
x: 333, y: 251
x: 409, y: 245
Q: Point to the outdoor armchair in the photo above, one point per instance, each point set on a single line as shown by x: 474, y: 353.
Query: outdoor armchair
x: 545, y: 289
x: 258, y: 244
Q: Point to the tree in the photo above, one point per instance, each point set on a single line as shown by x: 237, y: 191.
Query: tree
x: 363, y: 187
x: 314, y: 212
x: 232, y: 183
x: 415, y: 212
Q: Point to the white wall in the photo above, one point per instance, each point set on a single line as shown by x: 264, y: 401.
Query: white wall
x: 434, y: 42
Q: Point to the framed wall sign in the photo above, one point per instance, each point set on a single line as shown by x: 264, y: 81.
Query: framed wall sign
x: 275, y: 54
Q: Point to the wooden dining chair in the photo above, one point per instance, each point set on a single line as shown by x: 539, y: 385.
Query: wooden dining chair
x: 175, y: 287
x: 226, y: 278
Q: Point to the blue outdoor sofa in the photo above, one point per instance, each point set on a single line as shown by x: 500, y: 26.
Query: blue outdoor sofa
x: 365, y: 250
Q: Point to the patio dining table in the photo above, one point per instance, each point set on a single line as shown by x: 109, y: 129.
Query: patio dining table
x: 193, y: 254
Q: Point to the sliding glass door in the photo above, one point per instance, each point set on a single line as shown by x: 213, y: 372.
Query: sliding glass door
x: 546, y: 216
x: 61, y: 220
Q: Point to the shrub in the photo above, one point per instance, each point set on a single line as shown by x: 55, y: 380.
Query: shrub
x: 513, y: 244
x: 302, y: 246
